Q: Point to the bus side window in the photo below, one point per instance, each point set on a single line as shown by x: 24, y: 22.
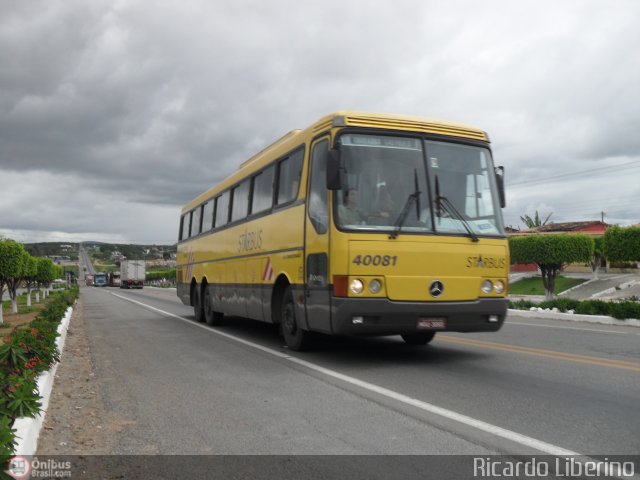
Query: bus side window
x: 190, y: 231
x: 289, y: 171
x: 240, y: 201
x: 318, y: 197
x: 196, y: 223
x: 263, y: 190
x: 181, y: 232
x: 222, y: 209
x: 207, y: 216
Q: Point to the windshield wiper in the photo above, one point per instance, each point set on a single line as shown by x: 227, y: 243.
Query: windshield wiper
x: 444, y: 202
x: 413, y: 197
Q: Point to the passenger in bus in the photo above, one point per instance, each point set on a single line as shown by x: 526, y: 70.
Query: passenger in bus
x: 349, y: 212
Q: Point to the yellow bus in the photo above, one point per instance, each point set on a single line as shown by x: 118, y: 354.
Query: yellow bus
x: 360, y: 224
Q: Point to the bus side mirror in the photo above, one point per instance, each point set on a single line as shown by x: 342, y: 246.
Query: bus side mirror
x: 334, y: 170
x: 499, y: 171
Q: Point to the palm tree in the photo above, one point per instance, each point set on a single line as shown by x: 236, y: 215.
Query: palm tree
x: 535, y: 221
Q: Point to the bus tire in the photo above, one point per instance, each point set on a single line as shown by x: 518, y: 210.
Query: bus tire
x: 210, y: 316
x: 198, y: 312
x: 421, y: 338
x: 294, y: 336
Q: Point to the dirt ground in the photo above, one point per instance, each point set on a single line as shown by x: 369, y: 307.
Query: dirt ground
x: 12, y: 320
x: 77, y: 422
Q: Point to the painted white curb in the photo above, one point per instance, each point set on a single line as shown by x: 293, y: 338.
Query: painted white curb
x: 28, y: 429
x: 630, y: 322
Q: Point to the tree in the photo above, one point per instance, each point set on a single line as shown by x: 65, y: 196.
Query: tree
x: 622, y: 244
x: 536, y: 221
x: 12, y: 257
x: 29, y: 274
x: 15, y: 282
x: 598, y: 256
x: 46, y: 273
x: 551, y: 253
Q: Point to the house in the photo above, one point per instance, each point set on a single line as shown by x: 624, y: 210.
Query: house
x: 595, y: 228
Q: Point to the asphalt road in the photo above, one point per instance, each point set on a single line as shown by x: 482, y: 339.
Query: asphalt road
x: 535, y: 386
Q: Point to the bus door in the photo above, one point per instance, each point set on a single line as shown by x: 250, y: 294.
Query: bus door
x: 317, y: 292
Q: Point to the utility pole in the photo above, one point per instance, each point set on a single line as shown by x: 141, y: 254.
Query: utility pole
x: 602, y: 216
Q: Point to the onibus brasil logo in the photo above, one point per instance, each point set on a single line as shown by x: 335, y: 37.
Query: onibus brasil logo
x: 23, y: 467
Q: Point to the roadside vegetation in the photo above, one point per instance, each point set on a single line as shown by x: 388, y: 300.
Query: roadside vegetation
x: 27, y: 339
x: 551, y: 253
x: 26, y: 351
x: 621, y: 310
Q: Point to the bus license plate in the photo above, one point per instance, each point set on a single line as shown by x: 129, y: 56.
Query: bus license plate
x: 432, y: 323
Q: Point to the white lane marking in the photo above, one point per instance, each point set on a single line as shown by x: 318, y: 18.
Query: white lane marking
x: 571, y: 328
x: 428, y: 407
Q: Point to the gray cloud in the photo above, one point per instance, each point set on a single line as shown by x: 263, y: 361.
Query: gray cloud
x: 147, y: 104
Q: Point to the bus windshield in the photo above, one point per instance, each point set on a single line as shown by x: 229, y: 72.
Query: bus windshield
x: 386, y: 189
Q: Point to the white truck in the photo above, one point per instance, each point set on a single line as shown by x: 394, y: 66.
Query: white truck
x: 132, y: 273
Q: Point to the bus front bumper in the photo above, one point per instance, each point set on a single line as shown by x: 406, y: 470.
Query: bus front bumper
x: 379, y: 316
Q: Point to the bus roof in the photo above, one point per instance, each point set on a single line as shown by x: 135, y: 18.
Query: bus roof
x: 343, y: 118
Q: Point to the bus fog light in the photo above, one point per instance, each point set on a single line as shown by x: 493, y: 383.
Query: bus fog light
x: 493, y: 318
x: 375, y: 286
x: 499, y: 286
x: 487, y: 286
x: 357, y: 320
x: 356, y: 286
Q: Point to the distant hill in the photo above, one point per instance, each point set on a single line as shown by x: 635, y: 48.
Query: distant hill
x: 112, y: 251
x: 53, y: 249
x: 100, y: 250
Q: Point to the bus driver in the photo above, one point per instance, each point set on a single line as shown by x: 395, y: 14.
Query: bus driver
x: 350, y: 214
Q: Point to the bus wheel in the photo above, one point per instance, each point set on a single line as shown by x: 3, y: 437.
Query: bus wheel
x: 212, y: 318
x: 198, y: 312
x: 421, y: 338
x: 295, y: 337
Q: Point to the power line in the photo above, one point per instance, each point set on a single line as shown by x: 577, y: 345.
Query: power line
x: 621, y: 166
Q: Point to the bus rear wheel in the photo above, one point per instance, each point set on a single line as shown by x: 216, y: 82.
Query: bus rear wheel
x: 212, y: 318
x: 198, y: 311
x: 421, y: 338
x: 294, y: 336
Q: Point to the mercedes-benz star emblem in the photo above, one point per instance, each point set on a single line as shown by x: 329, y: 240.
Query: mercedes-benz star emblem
x: 436, y: 288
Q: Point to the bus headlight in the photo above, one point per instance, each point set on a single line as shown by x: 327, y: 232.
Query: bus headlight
x: 356, y: 286
x: 499, y: 286
x: 487, y: 287
x: 375, y: 286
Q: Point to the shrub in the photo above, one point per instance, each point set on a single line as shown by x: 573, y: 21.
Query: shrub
x: 562, y: 304
x: 7, y: 440
x: 522, y: 305
x: 622, y: 244
x: 593, y: 307
x: 620, y: 310
x: 625, y: 310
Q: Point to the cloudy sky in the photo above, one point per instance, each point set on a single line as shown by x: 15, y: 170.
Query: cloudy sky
x: 115, y: 113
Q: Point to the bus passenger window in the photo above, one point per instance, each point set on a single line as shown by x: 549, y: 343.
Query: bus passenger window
x: 222, y: 209
x: 181, y: 232
x: 207, y: 216
x: 240, y: 201
x: 263, y: 190
x: 289, y: 171
x: 195, y: 222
